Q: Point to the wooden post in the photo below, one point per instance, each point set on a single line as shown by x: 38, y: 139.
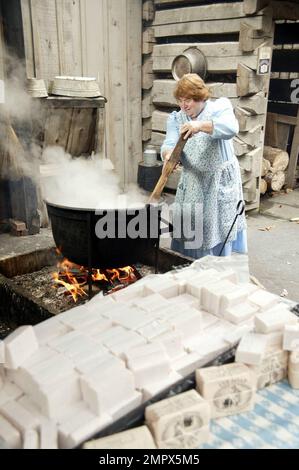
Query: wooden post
x: 290, y: 180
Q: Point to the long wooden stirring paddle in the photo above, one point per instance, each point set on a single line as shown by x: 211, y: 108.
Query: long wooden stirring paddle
x: 168, y: 168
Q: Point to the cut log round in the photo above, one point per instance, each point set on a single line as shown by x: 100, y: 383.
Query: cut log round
x: 263, y: 186
x: 266, y: 165
x: 279, y: 159
x: 275, y: 181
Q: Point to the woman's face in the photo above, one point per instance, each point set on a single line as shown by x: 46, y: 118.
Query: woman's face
x: 191, y: 107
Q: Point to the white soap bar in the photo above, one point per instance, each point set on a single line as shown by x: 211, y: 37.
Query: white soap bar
x: 9, y: 434
x: 31, y: 439
x: 212, y: 294
x: 148, y: 370
x: 172, y: 343
x: 154, y: 388
x: 19, y: 346
x: 51, y: 370
x: 188, y: 440
x: 131, y: 340
x: 240, y: 313
x: 186, y: 412
x: 274, y: 319
x: 185, y: 300
x: 54, y: 398
x: 210, y: 381
x: 233, y: 298
x: 137, y: 438
x: 229, y: 388
x: 208, y: 319
x: 2, y: 349
x: 185, y: 274
x: 234, y: 336
x: 272, y: 369
x: 85, y: 318
x: 92, y: 329
x: 131, y: 318
x: 291, y: 337
x: 202, y: 279
x: 50, y: 329
x: 251, y: 349
x: 48, y: 435
x: 274, y: 340
x: 130, y: 292
x: 187, y: 322
x: 9, y: 391
x: 32, y: 407
x: 293, y: 361
x: 293, y: 378
x: 151, y: 350
x: 164, y: 286
x: 156, y: 328
x: 102, y: 393
x: 150, y: 303
x: 99, y: 364
x: 81, y: 427
x: 18, y: 416
x: 112, y: 334
x: 263, y: 299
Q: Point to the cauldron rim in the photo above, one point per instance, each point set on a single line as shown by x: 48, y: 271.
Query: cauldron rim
x: 88, y: 209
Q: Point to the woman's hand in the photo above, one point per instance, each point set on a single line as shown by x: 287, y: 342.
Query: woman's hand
x: 190, y: 128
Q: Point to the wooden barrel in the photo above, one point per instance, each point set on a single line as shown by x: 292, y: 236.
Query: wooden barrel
x: 148, y: 175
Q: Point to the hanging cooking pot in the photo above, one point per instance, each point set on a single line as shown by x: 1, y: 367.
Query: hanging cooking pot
x: 192, y: 60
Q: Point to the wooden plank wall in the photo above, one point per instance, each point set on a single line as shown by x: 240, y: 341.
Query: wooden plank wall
x: 100, y: 38
x: 232, y: 42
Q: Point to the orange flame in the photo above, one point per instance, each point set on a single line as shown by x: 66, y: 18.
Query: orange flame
x: 74, y: 277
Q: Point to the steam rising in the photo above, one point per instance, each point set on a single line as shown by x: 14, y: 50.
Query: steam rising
x: 85, y: 183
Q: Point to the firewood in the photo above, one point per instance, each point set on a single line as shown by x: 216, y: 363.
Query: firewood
x: 266, y: 165
x: 275, y: 181
x: 279, y: 159
x: 263, y: 186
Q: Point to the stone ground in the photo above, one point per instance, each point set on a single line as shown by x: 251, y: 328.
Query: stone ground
x: 273, y: 244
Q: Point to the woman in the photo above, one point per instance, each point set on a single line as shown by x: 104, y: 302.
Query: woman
x: 210, y: 184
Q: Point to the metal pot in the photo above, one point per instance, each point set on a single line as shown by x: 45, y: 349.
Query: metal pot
x: 74, y: 232
x: 192, y: 60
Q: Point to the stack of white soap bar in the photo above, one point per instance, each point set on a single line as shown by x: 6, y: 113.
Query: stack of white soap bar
x: 195, y: 285
x: 187, y: 321
x: 179, y: 422
x: 137, y: 438
x: 293, y: 369
x: 274, y: 319
x: 212, y: 294
x: 104, y: 395
x: 149, y: 363
x: 272, y: 369
x: 19, y: 345
x: 263, y: 300
x: 165, y: 286
x: 9, y: 434
x: 240, y: 313
x: 291, y: 337
x: 150, y: 390
x: 50, y: 329
x: 80, y: 426
x: 251, y: 349
x: 229, y: 389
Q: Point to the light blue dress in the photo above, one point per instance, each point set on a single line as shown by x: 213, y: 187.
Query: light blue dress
x: 210, y: 180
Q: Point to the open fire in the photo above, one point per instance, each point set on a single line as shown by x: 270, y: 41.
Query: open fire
x: 74, y: 278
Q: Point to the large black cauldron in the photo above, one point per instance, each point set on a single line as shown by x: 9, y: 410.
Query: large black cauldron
x: 74, y: 232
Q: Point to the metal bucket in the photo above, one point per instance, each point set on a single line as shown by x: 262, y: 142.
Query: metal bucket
x: 192, y: 60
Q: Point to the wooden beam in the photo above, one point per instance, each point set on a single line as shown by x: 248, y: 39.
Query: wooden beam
x: 146, y: 129
x: 146, y: 104
x: 148, y: 40
x: 290, y: 180
x: 221, y: 56
x: 250, y: 38
x: 252, y: 137
x: 159, y: 121
x: 148, y: 10
x: 147, y: 73
x: 261, y: 22
x: 198, y: 13
x: 247, y: 120
x: 240, y: 147
x: 253, y: 6
x: 256, y: 104
x: 248, y: 82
